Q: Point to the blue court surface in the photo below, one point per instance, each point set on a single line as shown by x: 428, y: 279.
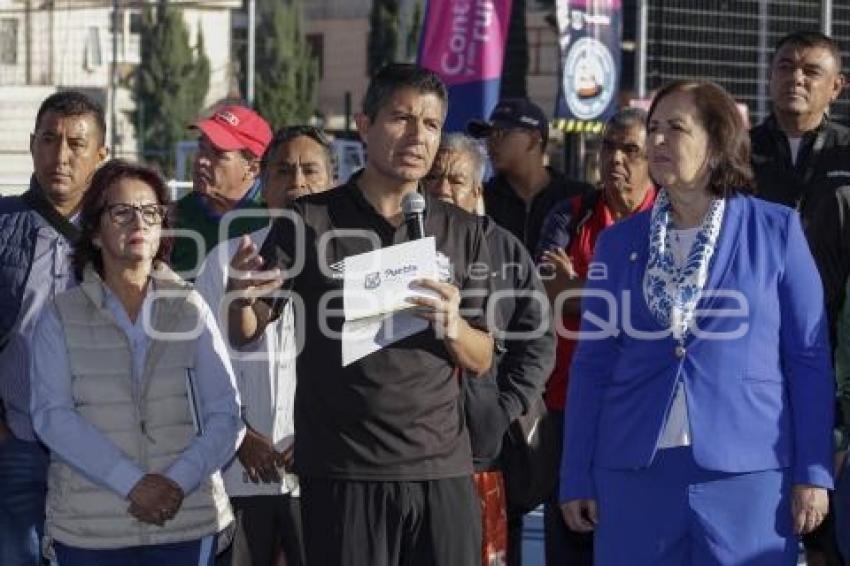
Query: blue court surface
x: 532, y: 538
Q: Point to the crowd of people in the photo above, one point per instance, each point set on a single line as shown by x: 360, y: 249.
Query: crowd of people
x: 649, y: 357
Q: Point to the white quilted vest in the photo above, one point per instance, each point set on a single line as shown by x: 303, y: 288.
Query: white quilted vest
x: 151, y: 426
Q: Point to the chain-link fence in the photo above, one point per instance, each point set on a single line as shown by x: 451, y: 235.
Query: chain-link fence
x: 731, y: 42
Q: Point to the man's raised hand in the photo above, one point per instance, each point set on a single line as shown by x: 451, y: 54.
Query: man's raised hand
x: 246, y: 275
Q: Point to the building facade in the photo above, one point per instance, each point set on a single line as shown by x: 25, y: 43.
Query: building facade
x: 338, y: 30
x: 52, y: 45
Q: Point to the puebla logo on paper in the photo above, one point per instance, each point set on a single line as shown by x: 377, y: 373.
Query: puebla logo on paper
x: 372, y: 281
x: 589, y: 78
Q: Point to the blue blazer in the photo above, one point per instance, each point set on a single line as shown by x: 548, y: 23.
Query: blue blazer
x: 758, y: 377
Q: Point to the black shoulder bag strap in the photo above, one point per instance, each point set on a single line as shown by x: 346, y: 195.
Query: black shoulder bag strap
x: 817, y: 147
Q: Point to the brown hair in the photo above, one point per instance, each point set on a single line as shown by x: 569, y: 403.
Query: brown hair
x: 728, y: 138
x: 95, y: 200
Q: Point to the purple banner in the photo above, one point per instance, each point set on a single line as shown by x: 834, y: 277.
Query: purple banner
x: 463, y: 41
x: 590, y: 35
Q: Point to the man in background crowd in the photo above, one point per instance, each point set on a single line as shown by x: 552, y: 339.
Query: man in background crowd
x: 225, y: 177
x: 523, y: 330
x: 37, y: 231
x: 800, y: 157
x: 260, y: 483
x: 524, y: 189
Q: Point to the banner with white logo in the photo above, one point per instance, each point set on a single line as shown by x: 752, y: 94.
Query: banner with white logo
x: 590, y: 33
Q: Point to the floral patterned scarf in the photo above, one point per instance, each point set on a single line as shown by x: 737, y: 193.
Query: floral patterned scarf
x: 671, y: 291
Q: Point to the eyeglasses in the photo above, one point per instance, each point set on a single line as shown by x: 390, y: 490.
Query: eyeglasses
x: 123, y: 213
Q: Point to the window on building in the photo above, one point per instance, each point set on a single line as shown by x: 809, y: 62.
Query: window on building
x: 132, y: 46
x: 543, y: 56
x: 129, y: 19
x: 8, y: 41
x: 135, y: 22
x: 94, y: 53
x: 316, y: 43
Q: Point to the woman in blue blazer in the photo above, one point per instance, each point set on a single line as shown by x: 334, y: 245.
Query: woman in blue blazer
x: 700, y: 399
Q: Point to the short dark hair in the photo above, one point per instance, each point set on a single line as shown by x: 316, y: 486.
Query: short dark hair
x: 626, y: 118
x: 94, y: 203
x: 73, y: 103
x: 728, y: 138
x: 395, y: 76
x: 289, y: 133
x: 809, y: 39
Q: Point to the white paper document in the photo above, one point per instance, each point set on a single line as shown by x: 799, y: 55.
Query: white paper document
x: 368, y: 335
x: 375, y: 288
x: 379, y: 282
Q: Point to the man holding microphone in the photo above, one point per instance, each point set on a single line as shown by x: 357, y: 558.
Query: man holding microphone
x: 382, y: 450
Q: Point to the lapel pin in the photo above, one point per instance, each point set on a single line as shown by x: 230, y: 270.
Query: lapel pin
x: 633, y: 256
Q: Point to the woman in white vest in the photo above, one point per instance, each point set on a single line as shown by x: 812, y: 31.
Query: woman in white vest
x: 132, y: 392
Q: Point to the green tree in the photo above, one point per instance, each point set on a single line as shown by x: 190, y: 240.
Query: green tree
x: 414, y: 31
x: 395, y: 27
x: 383, y: 40
x: 287, y: 70
x: 171, y: 84
x: 200, y: 78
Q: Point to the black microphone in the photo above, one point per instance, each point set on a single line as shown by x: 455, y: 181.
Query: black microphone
x: 413, y: 208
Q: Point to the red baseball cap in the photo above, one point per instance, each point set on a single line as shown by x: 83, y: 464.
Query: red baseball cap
x: 234, y: 128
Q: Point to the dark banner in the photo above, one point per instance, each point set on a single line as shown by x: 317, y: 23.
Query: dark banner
x: 590, y: 32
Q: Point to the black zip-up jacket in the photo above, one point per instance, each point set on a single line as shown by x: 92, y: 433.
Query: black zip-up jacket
x: 523, y: 220
x: 818, y: 186
x: 523, y: 364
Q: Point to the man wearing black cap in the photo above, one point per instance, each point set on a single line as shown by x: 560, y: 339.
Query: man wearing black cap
x: 524, y: 189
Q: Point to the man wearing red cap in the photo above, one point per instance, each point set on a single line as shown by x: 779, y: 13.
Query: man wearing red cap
x: 225, y: 178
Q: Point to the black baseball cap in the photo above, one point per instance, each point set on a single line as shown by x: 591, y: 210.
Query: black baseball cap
x: 512, y: 113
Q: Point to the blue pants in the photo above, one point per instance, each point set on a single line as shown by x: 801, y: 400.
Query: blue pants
x: 842, y: 510
x: 23, y: 489
x: 199, y: 552
x: 676, y: 513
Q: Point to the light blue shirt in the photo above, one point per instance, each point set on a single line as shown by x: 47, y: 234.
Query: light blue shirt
x: 77, y: 442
